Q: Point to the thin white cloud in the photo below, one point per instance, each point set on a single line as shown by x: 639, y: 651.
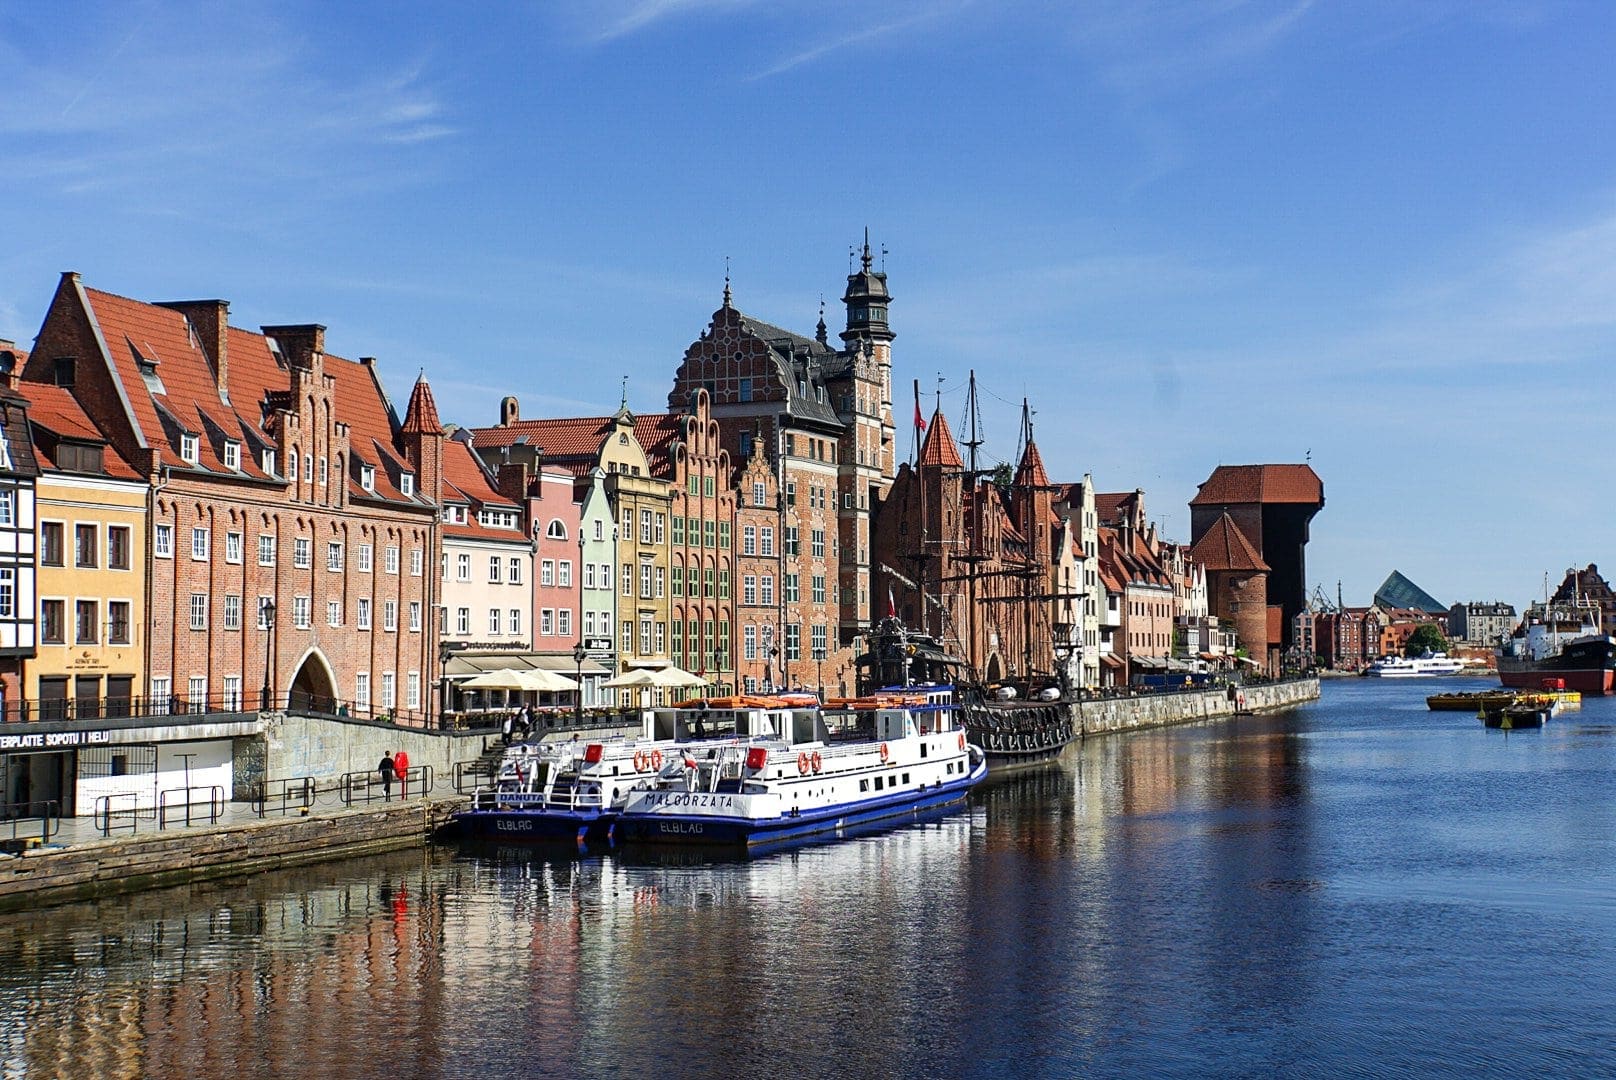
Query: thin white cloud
x: 607, y: 20
x: 928, y: 14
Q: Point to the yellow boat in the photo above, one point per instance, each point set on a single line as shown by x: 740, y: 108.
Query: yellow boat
x: 1471, y: 702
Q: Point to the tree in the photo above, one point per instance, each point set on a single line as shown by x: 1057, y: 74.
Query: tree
x: 1425, y: 638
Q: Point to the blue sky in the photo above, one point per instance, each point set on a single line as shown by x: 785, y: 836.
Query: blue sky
x: 1379, y: 234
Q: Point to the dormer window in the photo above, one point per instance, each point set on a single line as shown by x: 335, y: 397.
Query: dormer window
x: 189, y: 449
x: 406, y: 484
x: 367, y: 477
x: 269, y: 461
x: 232, y: 454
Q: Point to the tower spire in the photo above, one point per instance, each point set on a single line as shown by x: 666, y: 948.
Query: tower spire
x: 726, y: 281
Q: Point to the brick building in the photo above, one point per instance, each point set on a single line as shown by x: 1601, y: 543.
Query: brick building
x: 283, y: 485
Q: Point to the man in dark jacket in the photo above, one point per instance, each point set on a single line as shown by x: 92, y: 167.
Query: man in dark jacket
x: 387, y: 770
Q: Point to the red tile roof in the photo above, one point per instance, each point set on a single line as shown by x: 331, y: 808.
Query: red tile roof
x: 466, y: 481
x: 55, y: 410
x: 939, y: 448
x: 1031, y: 470
x: 1237, y: 484
x: 1108, y: 505
x: 1225, y: 547
x: 574, y: 443
x: 421, y: 417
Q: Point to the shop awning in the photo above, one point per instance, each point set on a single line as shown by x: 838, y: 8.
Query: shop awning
x: 1110, y: 660
x: 464, y: 665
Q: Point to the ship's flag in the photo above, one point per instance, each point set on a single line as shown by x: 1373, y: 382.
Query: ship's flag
x: 892, y: 604
x: 920, y: 421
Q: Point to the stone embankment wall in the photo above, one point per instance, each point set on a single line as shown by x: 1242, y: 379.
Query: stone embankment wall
x: 1157, y: 710
x: 128, y: 863
x: 327, y: 748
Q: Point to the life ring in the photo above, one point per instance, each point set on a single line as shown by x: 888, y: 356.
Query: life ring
x: 815, y: 761
x: 655, y: 759
x: 803, y: 762
x: 962, y: 740
x: 639, y: 761
x: 884, y: 753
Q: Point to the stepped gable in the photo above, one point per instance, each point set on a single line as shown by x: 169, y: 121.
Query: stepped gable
x: 1398, y: 591
x: 53, y: 410
x: 1237, y: 484
x: 1225, y: 547
x: 939, y: 450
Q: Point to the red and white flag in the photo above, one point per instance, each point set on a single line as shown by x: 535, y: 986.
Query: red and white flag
x: 892, y: 604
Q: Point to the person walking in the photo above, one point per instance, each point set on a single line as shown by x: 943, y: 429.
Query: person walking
x: 387, y: 770
x: 509, y: 725
x: 401, y: 766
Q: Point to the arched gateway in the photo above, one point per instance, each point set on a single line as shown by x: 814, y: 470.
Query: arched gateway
x: 313, y: 687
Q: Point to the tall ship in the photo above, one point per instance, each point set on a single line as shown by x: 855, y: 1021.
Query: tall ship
x: 1563, y: 643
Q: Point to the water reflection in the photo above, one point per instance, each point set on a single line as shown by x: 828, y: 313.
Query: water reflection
x: 1323, y: 890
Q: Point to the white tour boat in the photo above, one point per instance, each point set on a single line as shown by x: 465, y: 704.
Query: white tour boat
x: 1403, y: 667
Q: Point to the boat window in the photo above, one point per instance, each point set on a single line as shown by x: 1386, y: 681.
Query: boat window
x: 906, y: 778
x: 864, y: 785
x: 922, y: 749
x: 878, y: 783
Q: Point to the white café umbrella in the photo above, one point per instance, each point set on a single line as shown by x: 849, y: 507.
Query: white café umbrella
x: 666, y: 677
x: 516, y: 679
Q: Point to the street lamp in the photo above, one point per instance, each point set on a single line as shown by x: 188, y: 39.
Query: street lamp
x: 819, y: 658
x: 578, y: 654
x: 1063, y: 670
x: 266, y: 619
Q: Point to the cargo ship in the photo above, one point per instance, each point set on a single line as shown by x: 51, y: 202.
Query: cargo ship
x: 1562, y: 644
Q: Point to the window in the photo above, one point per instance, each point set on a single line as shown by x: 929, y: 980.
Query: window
x: 628, y: 579
x: 661, y: 528
x: 645, y: 526
x: 678, y: 531
x: 84, y: 546
x: 759, y: 493
x: 678, y: 581
x: 516, y: 620
x: 412, y: 690
x: 232, y: 548
x: 791, y: 493
x: 322, y: 470
x: 302, y: 552
x: 818, y: 639
x: 388, y: 697
x: 818, y: 544
x: 52, y: 619
x: 361, y: 693
x: 118, y: 621
x: 600, y: 529
x: 494, y: 621
x: 749, y: 540
x: 366, y: 558
x: 793, y: 641
x: 416, y: 560
x: 589, y: 575
x: 8, y: 507
x: 199, y: 545
x: 463, y: 621
x: 308, y: 468
x: 266, y: 550
x: 415, y: 616
x: 766, y: 590
x: 709, y: 534
x: 199, y: 611
x: 232, y: 693
x: 723, y: 584
x: 333, y: 556
x: 462, y: 567
x: 232, y: 454
x: 232, y: 611
x: 333, y: 612
x: 86, y: 615
x: 723, y: 535
x: 546, y: 622
x: 749, y: 642
x: 389, y: 615
x: 546, y: 571
x: 493, y: 569
x: 661, y: 583
x: 159, y: 688
x: 390, y: 558
x: 563, y: 621
x: 790, y: 585
x: 197, y: 700
x: 265, y: 613
x: 162, y: 542
x: 300, y: 612
x: 406, y: 484
x: 515, y: 575
x: 645, y: 581
x: 645, y: 637
x: 748, y: 588
x: 367, y: 477
x: 189, y: 450
x: 362, y: 613
x: 564, y: 573
x: 50, y: 542
x: 766, y: 541
x: 792, y: 544
x: 626, y: 628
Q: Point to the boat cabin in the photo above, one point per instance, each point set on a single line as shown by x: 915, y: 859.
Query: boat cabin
x: 700, y: 722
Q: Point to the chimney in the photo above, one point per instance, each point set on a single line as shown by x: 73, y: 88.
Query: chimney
x: 210, y: 319
x: 298, y: 342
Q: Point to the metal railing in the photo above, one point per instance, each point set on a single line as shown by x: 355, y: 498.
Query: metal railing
x: 167, y: 804
x: 122, y: 805
x: 368, y: 786
x: 471, y: 775
x: 285, y: 795
x: 21, y: 815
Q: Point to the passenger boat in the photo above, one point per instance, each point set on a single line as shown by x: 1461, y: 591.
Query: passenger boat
x: 1405, y: 667
x: 1012, y: 732
x: 572, y: 791
x: 880, y: 759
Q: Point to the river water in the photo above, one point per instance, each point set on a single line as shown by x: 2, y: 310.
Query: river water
x: 1358, y: 887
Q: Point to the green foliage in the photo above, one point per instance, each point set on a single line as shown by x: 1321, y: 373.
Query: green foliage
x: 1425, y: 638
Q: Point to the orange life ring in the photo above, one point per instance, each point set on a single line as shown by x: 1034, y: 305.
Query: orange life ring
x: 884, y: 753
x: 815, y: 760
x: 639, y: 761
x: 803, y: 762
x: 962, y: 740
x: 656, y: 759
